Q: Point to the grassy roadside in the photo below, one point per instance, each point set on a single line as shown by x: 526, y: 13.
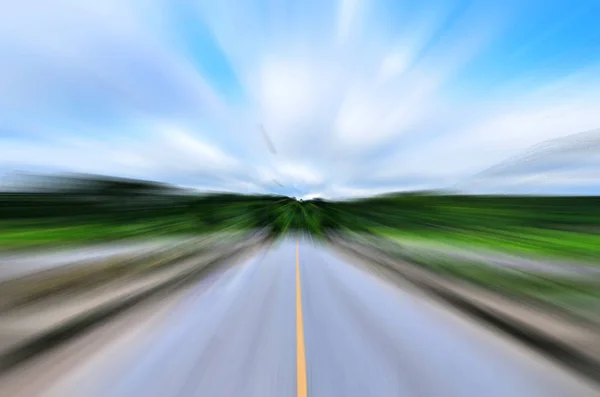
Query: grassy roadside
x: 91, y: 210
x: 74, y: 278
x: 27, y: 235
x: 577, y: 297
x: 559, y: 230
x: 526, y: 241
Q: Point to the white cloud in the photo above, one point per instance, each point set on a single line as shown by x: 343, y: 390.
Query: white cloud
x: 353, y: 105
x: 395, y: 64
x: 188, y: 147
x: 336, y: 192
x: 299, y: 173
x: 348, y: 9
x: 311, y: 196
x: 289, y: 174
x: 166, y: 154
x: 508, y: 130
x: 288, y: 90
x: 63, y: 57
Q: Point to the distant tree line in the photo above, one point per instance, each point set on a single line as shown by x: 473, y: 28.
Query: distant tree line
x: 82, y: 199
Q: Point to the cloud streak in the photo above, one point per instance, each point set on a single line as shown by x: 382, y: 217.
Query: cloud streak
x: 356, y: 96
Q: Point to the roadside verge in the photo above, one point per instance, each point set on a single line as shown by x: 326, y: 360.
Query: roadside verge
x: 575, y: 344
x: 31, y: 330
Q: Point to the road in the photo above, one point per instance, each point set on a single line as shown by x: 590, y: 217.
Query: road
x: 258, y: 330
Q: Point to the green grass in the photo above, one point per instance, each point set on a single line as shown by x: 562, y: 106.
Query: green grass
x: 542, y: 226
x: 28, y: 235
x: 580, y: 297
x: 522, y: 225
x: 576, y: 296
x: 543, y: 242
x: 75, y: 279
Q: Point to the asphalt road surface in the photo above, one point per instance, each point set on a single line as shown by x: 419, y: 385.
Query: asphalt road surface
x: 257, y: 329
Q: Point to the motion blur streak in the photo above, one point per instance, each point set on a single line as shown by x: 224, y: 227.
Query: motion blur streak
x: 363, y: 337
x: 437, y: 161
x: 357, y: 97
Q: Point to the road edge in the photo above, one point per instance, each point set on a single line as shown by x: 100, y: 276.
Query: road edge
x: 565, y: 352
x: 52, y: 338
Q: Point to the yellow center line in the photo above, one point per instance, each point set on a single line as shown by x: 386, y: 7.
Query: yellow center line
x: 300, y: 350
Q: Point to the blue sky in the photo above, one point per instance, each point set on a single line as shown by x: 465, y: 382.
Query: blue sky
x: 358, y: 97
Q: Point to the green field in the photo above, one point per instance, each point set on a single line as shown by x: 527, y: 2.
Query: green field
x: 16, y: 236
x: 526, y: 241
x: 579, y: 297
x: 574, y: 294
x: 81, y: 210
x: 98, y: 209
